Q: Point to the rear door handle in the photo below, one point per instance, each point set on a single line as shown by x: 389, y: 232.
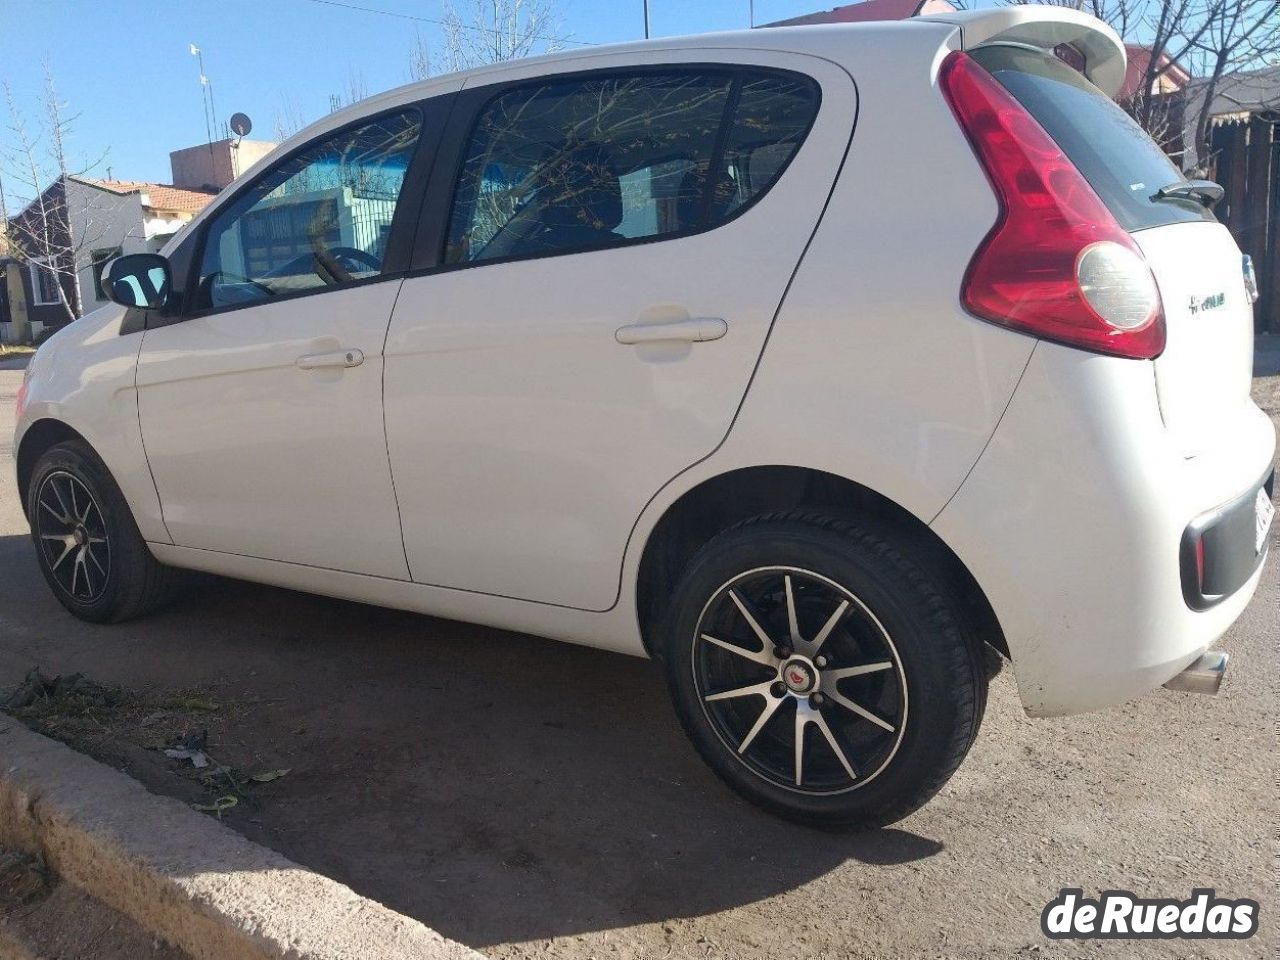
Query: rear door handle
x: 695, y: 330
x: 335, y: 358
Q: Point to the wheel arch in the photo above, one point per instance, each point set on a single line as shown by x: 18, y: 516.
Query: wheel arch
x: 39, y: 437
x: 726, y: 499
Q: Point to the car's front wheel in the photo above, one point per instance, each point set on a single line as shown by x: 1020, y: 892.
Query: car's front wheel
x: 87, y: 543
x: 821, y: 671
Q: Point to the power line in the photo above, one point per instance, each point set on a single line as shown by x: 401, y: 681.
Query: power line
x: 440, y: 23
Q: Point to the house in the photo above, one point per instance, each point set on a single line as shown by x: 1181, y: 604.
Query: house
x: 1239, y: 100
x: 6, y: 264
x: 67, y: 235
x: 1170, y: 79
x: 62, y: 240
x: 211, y: 166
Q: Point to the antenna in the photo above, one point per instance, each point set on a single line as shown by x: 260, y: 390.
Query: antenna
x: 241, y: 126
x: 206, y: 95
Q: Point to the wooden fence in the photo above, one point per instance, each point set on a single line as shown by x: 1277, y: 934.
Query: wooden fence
x: 1246, y: 161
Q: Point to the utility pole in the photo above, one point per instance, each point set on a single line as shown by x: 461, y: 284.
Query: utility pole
x: 646, y: 19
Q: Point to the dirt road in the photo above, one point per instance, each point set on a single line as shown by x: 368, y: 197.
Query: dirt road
x: 533, y: 799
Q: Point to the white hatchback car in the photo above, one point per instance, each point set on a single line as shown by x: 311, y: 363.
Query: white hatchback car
x: 809, y: 361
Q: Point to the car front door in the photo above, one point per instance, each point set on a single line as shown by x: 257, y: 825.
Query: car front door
x: 612, y: 250
x: 261, y: 406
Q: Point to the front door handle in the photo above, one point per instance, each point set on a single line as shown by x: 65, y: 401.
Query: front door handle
x: 695, y: 330
x: 335, y: 358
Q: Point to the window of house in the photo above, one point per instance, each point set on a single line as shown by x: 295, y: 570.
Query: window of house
x: 568, y: 165
x: 98, y: 260
x: 44, y: 283
x: 321, y: 219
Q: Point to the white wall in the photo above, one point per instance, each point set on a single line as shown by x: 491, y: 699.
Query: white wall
x: 102, y: 220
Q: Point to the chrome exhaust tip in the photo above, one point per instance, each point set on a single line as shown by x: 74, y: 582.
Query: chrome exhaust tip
x: 1204, y: 675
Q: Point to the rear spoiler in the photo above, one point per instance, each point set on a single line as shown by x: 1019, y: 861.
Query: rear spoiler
x: 1045, y: 27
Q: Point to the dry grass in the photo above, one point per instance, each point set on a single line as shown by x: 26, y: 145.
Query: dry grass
x: 100, y: 720
x: 23, y: 880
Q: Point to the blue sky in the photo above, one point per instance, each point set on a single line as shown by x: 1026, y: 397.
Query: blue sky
x: 125, y: 68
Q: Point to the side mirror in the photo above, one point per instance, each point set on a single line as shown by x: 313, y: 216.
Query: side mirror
x: 138, y: 280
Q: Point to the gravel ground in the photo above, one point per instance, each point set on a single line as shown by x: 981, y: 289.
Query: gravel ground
x: 534, y: 799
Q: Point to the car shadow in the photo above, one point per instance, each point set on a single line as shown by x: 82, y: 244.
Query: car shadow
x: 497, y: 787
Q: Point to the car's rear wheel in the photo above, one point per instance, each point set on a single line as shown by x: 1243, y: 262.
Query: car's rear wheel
x: 821, y: 671
x: 87, y: 543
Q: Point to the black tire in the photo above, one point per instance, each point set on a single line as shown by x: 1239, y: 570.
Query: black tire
x: 904, y: 635
x: 118, y: 578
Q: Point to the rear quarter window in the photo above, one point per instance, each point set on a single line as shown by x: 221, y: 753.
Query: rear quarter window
x: 1120, y: 161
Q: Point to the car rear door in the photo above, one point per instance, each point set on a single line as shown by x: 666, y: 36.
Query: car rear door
x: 591, y: 301
x: 261, y: 405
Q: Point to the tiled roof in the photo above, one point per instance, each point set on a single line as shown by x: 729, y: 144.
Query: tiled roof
x: 869, y: 10
x: 1246, y: 92
x: 160, y: 196
x: 1137, y: 57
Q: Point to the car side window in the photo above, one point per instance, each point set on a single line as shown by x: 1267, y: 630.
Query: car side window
x: 772, y: 117
x: 319, y: 220
x: 565, y: 165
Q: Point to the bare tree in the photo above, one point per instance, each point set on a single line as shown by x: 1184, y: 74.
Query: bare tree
x: 493, y: 31
x: 289, y: 118
x: 45, y: 231
x: 1237, y: 36
x: 355, y: 90
x: 5, y: 245
x: 419, y: 59
x: 1208, y: 39
x: 478, y: 32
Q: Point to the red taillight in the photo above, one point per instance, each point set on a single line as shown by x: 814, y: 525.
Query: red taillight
x: 1200, y: 563
x: 1056, y: 264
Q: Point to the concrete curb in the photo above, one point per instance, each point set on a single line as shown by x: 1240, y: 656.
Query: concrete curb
x: 181, y: 875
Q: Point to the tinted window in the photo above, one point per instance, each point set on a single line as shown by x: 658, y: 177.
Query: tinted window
x: 1121, y: 162
x: 576, y: 164
x: 321, y: 219
x: 772, y: 116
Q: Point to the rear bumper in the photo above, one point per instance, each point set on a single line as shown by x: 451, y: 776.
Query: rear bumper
x: 1219, y: 548
x: 1073, y: 523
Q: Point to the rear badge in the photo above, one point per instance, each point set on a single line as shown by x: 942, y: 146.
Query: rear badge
x: 1208, y: 303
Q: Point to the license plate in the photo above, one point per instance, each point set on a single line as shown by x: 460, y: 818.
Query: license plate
x: 1263, y: 512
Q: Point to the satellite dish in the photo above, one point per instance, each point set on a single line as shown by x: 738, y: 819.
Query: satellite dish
x: 241, y: 124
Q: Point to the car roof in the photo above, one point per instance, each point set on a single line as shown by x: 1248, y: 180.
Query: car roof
x: 835, y: 41
x: 817, y: 39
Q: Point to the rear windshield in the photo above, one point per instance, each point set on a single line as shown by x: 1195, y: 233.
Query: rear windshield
x: 1120, y: 161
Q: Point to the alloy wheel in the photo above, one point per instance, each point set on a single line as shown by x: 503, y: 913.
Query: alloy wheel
x: 800, y: 680
x: 73, y: 536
